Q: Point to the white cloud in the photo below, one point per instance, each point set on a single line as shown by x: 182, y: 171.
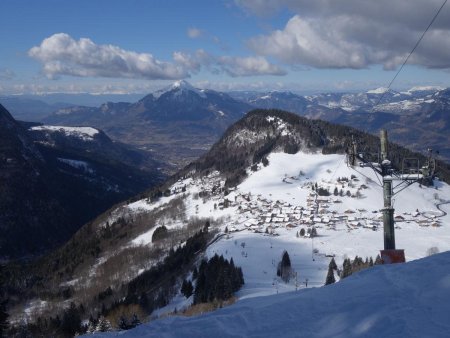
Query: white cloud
x: 354, y: 33
x: 194, y: 33
x: 231, y: 65
x: 248, y: 66
x: 311, y: 42
x: 194, y: 62
x: 60, y: 54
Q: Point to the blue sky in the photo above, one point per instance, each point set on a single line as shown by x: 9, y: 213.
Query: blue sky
x: 138, y: 46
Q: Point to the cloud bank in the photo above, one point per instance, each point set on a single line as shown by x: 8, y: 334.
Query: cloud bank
x: 248, y: 66
x: 60, y: 54
x: 354, y: 33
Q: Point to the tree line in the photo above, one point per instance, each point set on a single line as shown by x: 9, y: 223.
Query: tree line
x: 217, y: 279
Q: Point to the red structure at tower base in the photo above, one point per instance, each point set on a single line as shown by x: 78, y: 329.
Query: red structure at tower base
x: 393, y: 256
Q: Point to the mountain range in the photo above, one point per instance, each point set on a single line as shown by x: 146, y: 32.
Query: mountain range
x: 33, y: 107
x: 177, y: 124
x: 417, y: 118
x: 180, y: 122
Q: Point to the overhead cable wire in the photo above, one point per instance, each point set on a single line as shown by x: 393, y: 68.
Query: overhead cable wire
x: 409, y: 55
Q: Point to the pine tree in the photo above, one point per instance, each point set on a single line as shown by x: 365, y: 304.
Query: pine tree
x: 194, y: 273
x: 103, y: 325
x: 187, y: 288
x: 330, y: 277
x: 123, y: 323
x: 378, y: 260
x: 135, y: 321
x: 3, y: 314
x: 285, y: 259
x: 313, y: 232
x: 335, y: 192
x: 71, y: 321
x: 346, y: 268
x: 285, y: 267
x: 332, y: 264
x: 3, y: 318
x: 91, y: 326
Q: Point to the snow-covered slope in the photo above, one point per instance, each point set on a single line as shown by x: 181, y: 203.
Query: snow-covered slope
x: 407, y: 300
x: 267, y: 210
x: 84, y: 133
x: 279, y: 199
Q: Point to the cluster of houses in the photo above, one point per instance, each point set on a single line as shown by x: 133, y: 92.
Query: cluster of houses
x: 263, y: 215
x: 260, y: 214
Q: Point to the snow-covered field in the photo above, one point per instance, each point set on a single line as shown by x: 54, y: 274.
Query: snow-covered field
x: 264, y: 215
x: 267, y: 211
x: 350, y: 235
x: 402, y: 300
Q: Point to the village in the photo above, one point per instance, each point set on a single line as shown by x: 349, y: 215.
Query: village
x: 323, y: 207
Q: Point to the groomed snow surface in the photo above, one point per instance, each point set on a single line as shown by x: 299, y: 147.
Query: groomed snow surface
x: 403, y: 300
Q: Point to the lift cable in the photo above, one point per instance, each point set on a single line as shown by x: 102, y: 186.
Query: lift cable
x: 410, y: 53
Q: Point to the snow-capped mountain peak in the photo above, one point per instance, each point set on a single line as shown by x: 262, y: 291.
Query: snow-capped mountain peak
x: 179, y: 86
x: 380, y: 90
x: 425, y: 88
x: 182, y: 84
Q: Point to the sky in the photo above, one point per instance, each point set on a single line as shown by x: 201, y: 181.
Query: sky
x: 138, y: 46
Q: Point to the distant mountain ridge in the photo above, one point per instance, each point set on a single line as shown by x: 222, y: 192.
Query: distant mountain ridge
x: 418, y: 118
x: 179, y: 123
x: 54, y: 179
x: 260, y: 132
